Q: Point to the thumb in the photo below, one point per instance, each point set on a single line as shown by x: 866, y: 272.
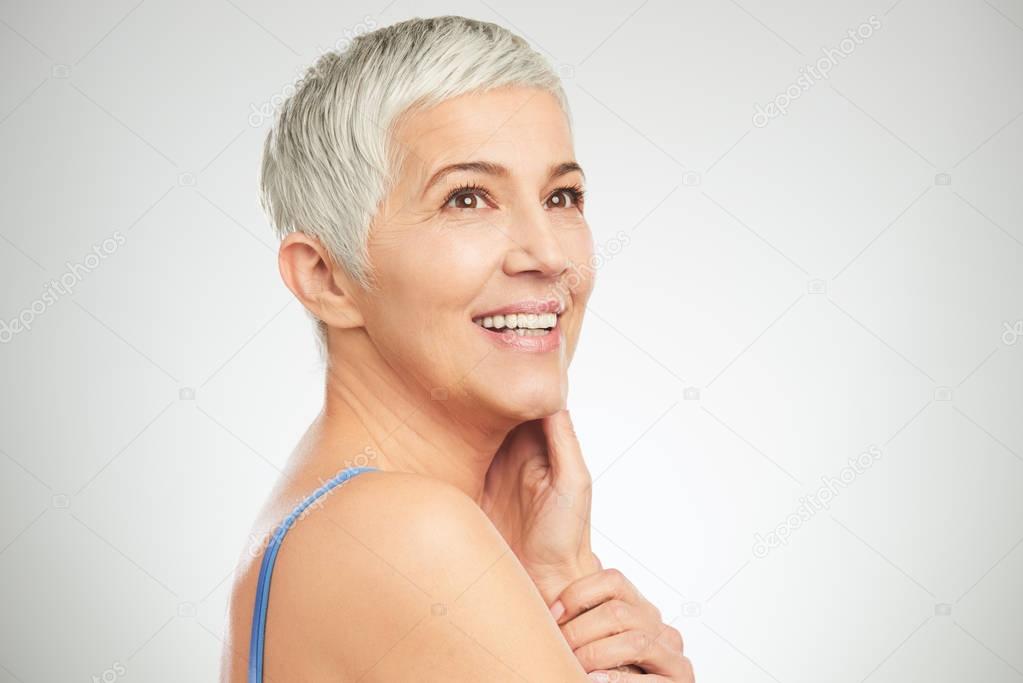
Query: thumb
x: 564, y: 452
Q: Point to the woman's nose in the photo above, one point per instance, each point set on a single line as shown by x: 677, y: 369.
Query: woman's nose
x: 534, y: 245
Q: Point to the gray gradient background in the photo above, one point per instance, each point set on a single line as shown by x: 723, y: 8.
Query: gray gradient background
x: 849, y: 275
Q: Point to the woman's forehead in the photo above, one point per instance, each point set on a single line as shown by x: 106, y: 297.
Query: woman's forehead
x: 501, y: 118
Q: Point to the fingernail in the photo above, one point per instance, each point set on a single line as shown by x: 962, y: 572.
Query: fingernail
x: 599, y: 676
x: 557, y: 609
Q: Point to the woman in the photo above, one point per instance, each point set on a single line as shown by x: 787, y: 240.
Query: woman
x: 430, y: 206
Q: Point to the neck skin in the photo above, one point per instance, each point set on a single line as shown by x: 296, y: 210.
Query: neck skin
x: 368, y: 404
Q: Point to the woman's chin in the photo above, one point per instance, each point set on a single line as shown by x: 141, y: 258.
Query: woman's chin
x: 532, y: 403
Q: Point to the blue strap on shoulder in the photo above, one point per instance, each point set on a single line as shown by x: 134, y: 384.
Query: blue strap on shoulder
x: 267, y: 566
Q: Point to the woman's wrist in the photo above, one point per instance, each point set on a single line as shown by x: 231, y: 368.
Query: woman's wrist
x: 551, y: 581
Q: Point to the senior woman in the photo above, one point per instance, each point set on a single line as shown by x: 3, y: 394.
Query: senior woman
x: 433, y: 522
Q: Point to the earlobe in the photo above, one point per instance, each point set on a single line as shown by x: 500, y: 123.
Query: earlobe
x: 321, y: 286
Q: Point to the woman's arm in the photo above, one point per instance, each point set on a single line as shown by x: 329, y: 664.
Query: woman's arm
x: 425, y: 589
x: 537, y: 493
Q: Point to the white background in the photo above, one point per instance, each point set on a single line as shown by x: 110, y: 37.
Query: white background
x: 849, y: 275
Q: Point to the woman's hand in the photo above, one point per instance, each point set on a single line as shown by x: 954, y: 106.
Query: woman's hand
x: 608, y: 624
x: 537, y: 494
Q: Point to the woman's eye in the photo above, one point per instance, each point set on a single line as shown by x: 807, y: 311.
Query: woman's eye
x: 465, y: 200
x: 561, y: 199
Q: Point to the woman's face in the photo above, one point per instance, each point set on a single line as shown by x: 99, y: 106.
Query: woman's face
x: 491, y: 243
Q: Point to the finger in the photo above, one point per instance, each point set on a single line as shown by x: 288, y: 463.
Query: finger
x: 664, y: 656
x: 634, y: 647
x: 604, y: 620
x: 590, y: 591
x: 614, y: 676
x: 565, y: 454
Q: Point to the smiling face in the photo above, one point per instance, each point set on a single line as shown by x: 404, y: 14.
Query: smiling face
x: 484, y: 227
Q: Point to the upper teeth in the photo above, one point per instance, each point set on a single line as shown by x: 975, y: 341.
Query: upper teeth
x: 533, y: 321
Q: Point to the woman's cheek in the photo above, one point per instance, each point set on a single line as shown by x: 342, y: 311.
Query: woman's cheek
x: 474, y: 254
x: 584, y: 261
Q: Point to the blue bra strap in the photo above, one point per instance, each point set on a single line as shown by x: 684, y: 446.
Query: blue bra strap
x: 267, y: 567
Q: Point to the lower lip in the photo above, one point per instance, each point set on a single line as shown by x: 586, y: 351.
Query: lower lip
x: 532, y: 344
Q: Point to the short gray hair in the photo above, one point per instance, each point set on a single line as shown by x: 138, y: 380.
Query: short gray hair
x: 330, y: 159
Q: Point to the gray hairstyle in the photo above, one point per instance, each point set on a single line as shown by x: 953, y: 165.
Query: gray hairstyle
x: 330, y: 159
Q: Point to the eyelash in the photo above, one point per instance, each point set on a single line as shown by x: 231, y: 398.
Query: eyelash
x: 576, y: 191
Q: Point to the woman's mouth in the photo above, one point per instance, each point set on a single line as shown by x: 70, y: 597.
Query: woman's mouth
x: 521, y: 324
x: 537, y: 330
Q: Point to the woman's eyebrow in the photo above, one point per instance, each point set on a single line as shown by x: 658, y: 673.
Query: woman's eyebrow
x: 491, y: 168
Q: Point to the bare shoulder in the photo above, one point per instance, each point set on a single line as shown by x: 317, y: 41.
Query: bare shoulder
x: 394, y: 576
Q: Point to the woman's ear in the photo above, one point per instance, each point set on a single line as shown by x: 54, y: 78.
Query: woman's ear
x: 323, y: 288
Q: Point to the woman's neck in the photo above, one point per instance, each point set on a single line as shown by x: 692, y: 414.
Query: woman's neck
x: 395, y: 424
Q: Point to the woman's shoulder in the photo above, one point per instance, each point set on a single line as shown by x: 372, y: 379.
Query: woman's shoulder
x: 393, y: 522
x: 373, y: 557
x: 385, y: 508
x: 367, y: 522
